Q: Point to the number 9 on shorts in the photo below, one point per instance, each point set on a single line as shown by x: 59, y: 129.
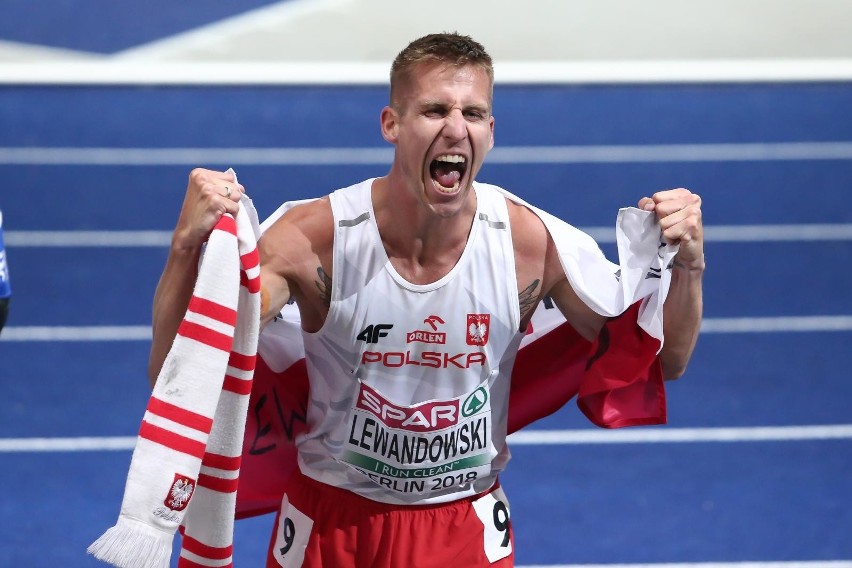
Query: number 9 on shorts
x: 493, y: 510
x: 291, y: 535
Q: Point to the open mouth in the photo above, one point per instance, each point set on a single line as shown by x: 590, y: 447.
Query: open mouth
x: 447, y: 171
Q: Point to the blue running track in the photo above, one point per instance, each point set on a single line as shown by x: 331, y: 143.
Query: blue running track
x: 739, y: 474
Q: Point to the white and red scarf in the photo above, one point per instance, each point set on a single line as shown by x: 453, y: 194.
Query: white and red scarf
x: 185, y: 467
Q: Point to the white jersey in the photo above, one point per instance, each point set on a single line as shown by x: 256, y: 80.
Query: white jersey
x: 409, y: 383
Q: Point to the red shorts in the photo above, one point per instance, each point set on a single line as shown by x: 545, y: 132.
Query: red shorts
x: 320, y: 526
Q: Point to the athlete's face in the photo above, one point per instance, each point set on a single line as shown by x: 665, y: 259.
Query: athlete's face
x: 442, y: 128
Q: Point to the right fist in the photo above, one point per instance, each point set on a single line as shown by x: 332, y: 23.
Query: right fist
x: 209, y: 195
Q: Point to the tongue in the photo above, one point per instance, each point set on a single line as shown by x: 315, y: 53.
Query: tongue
x: 446, y: 175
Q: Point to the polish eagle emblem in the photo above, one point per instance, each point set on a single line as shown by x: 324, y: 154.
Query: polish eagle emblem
x: 477, y: 328
x: 180, y: 493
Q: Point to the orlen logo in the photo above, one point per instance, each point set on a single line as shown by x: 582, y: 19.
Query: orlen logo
x: 477, y: 328
x: 426, y: 336
x: 428, y: 416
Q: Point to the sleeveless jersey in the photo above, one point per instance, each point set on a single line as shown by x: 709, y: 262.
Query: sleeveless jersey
x: 409, y: 384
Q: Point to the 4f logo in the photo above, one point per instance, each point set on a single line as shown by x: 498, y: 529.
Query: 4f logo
x: 372, y: 333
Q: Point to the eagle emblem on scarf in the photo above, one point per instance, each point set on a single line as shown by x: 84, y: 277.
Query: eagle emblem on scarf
x: 180, y: 493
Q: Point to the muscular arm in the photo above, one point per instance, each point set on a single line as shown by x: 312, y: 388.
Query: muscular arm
x: 681, y: 319
x: 207, y: 199
x: 540, y: 274
x: 295, y: 260
x: 679, y: 214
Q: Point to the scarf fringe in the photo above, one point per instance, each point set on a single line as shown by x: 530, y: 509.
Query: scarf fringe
x: 132, y: 544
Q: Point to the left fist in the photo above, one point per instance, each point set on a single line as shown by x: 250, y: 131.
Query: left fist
x: 679, y: 215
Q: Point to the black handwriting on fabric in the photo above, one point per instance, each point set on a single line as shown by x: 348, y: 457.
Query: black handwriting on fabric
x: 288, y: 418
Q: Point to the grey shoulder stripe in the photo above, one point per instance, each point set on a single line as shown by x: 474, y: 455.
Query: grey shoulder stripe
x: 492, y: 224
x: 356, y: 221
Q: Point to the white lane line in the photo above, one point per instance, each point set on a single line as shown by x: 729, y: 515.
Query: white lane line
x: 709, y: 325
x: 678, y: 435
x: 747, y: 564
x: 777, y: 324
x: 713, y: 233
x: 195, y: 156
x: 780, y: 151
x: 84, y: 444
x: 88, y: 238
x: 754, y: 233
x: 524, y: 438
x: 778, y: 233
x: 77, y: 333
x: 131, y: 69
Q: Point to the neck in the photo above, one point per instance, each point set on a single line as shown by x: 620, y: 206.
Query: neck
x: 421, y: 244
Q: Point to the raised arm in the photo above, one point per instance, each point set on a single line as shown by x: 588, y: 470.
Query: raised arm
x: 540, y: 274
x: 295, y: 263
x: 209, y: 195
x: 679, y: 214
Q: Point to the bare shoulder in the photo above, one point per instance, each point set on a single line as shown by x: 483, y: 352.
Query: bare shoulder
x: 529, y: 235
x: 314, y: 217
x: 296, y: 258
x: 530, y: 244
x: 305, y: 230
x: 299, y: 244
x: 534, y: 248
x: 540, y: 273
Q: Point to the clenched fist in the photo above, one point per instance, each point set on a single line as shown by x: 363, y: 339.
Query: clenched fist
x: 679, y: 215
x: 209, y: 195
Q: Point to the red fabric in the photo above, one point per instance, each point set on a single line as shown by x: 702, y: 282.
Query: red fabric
x: 349, y: 530
x: 276, y: 415
x: 617, y: 380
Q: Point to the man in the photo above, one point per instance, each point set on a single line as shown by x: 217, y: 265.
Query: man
x: 414, y: 291
x: 5, y: 287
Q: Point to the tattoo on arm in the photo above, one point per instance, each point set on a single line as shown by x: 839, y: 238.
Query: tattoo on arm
x: 528, y: 298
x: 324, y: 286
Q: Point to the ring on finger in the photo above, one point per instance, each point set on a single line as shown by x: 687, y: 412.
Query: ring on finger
x: 227, y: 191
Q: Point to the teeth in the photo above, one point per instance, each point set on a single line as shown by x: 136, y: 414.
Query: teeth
x: 452, y: 158
x: 443, y: 189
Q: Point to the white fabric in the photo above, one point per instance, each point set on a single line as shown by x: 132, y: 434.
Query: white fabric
x: 410, y: 344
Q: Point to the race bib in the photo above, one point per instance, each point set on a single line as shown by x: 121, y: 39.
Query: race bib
x: 493, y: 510
x: 437, y: 445
x: 291, y: 535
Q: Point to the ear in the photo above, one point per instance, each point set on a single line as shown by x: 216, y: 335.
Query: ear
x: 491, y: 134
x: 390, y: 124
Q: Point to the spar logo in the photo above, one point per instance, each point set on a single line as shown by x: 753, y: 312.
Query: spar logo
x: 180, y: 493
x: 428, y: 336
x: 475, y: 402
x: 424, y: 417
x: 478, y: 326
